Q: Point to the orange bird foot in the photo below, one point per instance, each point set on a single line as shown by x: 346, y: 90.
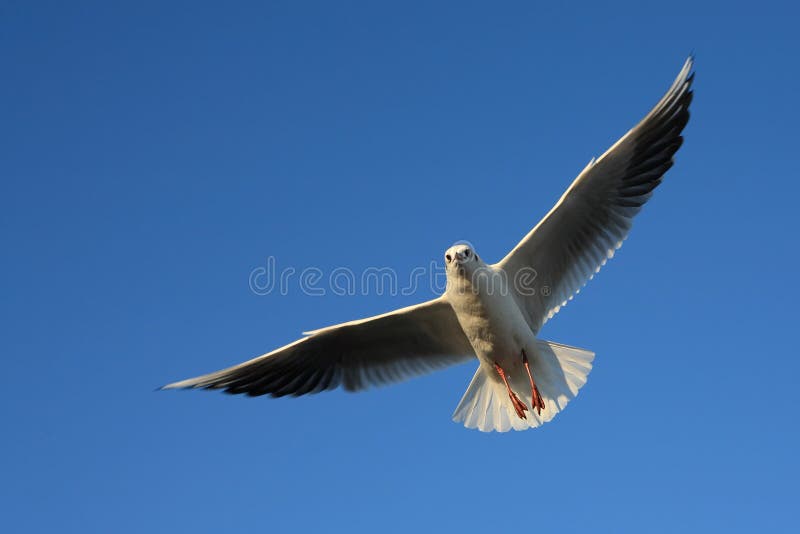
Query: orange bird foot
x: 536, y: 398
x: 519, y: 406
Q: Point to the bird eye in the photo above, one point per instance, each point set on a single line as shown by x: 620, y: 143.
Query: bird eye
x: 448, y: 258
x: 466, y: 253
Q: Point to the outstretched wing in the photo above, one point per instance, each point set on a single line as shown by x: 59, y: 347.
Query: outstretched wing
x: 594, y: 216
x: 382, y: 349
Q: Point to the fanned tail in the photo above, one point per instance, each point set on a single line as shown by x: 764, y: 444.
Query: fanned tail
x: 560, y: 371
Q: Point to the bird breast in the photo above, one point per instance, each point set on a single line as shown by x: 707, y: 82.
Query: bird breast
x: 491, y: 320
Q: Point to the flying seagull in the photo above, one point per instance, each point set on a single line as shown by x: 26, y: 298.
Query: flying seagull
x: 491, y: 312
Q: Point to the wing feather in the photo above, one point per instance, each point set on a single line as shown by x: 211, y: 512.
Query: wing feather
x: 593, y: 217
x: 356, y: 355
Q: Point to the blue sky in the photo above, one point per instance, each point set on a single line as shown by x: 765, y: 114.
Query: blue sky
x: 152, y: 156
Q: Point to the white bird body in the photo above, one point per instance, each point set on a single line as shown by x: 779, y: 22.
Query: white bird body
x: 482, y: 297
x: 489, y: 312
x: 490, y: 318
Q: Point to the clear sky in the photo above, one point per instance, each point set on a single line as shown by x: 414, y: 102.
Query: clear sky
x: 152, y: 156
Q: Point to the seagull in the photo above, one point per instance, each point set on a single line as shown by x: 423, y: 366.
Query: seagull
x: 491, y: 312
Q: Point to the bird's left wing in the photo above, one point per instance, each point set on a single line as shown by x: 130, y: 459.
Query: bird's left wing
x: 356, y: 355
x: 594, y: 216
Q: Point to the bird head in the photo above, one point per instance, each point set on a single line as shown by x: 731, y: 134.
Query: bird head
x: 462, y: 260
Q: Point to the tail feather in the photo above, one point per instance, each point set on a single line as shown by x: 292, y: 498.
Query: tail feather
x: 560, y: 371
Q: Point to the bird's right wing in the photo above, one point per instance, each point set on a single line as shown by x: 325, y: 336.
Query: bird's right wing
x: 356, y: 355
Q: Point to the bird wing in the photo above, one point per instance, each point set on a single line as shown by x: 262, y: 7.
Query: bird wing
x: 593, y: 217
x: 378, y: 350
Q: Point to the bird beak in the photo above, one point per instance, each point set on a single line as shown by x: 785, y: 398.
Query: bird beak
x: 459, y: 257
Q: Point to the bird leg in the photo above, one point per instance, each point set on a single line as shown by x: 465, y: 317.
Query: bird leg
x: 536, y: 398
x: 519, y: 406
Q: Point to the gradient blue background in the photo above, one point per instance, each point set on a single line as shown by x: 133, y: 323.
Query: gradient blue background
x: 152, y: 155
